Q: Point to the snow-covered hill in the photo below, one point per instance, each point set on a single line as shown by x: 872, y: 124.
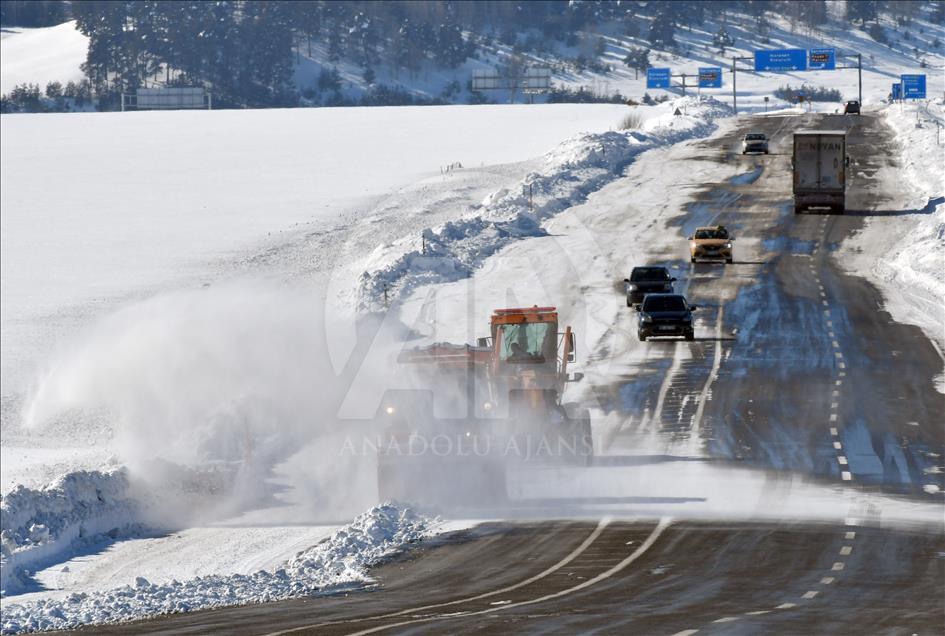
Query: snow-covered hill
x: 42, y: 55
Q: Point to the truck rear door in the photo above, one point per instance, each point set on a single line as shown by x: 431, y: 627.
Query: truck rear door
x: 806, y: 160
x: 832, y: 156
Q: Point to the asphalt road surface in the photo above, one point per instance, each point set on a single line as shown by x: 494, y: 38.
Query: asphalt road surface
x: 807, y: 374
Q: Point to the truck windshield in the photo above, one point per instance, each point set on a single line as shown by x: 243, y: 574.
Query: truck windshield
x: 658, y: 302
x: 526, y: 342
x: 649, y: 274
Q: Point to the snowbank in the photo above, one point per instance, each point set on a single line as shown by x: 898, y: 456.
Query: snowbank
x: 580, y: 165
x: 339, y: 561
x: 40, y: 526
x: 904, y: 254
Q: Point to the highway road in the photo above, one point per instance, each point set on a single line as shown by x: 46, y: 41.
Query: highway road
x: 807, y: 375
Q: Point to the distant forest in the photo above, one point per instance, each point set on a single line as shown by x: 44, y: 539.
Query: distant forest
x: 245, y: 51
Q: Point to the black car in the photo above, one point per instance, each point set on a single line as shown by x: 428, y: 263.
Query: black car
x: 647, y: 280
x: 852, y: 108
x: 665, y: 315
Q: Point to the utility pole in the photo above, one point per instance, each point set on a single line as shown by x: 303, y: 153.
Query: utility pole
x: 859, y: 74
x: 734, y: 93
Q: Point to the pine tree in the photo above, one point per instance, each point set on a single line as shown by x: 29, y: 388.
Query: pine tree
x: 663, y: 28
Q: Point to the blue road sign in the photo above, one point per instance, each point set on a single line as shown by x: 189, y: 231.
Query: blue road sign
x: 822, y: 60
x: 781, y: 60
x: 710, y: 77
x: 913, y: 86
x: 897, y: 91
x: 658, y: 78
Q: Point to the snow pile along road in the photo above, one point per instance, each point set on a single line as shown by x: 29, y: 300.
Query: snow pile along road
x: 904, y: 252
x: 39, y: 526
x: 575, y: 168
x: 341, y: 561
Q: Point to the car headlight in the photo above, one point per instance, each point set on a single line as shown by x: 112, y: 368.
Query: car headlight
x: 487, y: 406
x: 728, y: 246
x: 647, y: 318
x: 390, y: 410
x: 631, y: 287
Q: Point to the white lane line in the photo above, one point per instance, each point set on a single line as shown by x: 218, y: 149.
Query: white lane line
x: 831, y: 333
x: 846, y: 550
x: 836, y: 345
x: 825, y: 303
x: 846, y: 476
x: 837, y: 566
x: 830, y: 323
x: 842, y: 460
x: 850, y: 536
x: 834, y: 431
x: 833, y: 417
x: 842, y: 365
x: 726, y: 619
x: 842, y: 374
x: 827, y: 580
x: 650, y: 540
x: 827, y: 311
x: 687, y: 632
x: 822, y: 294
x: 758, y: 613
x: 838, y: 354
x: 838, y: 382
x: 786, y: 606
x: 834, y: 393
x: 834, y: 405
x: 810, y: 594
x: 837, y: 445
x: 603, y: 523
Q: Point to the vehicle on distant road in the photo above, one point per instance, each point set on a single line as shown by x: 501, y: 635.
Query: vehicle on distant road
x: 755, y: 142
x: 665, y: 315
x: 820, y: 170
x: 852, y: 108
x: 647, y: 280
x: 712, y: 242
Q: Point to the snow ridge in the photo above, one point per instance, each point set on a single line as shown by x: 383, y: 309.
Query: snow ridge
x: 574, y: 169
x: 38, y: 526
x: 339, y: 562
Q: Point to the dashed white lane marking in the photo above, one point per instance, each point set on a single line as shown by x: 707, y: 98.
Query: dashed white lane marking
x: 810, y: 594
x: 846, y: 476
x: 836, y: 345
x: 824, y: 302
x: 837, y: 566
x: 827, y: 580
x: 834, y: 405
x: 822, y: 294
x: 842, y: 460
x: 686, y: 632
x: 838, y: 382
x: 834, y: 431
x: 851, y: 521
x: 786, y: 606
x: 830, y: 332
x: 758, y: 613
x: 726, y: 619
x: 843, y: 365
x: 830, y: 323
x: 835, y: 393
x: 827, y: 311
x: 838, y: 355
x: 842, y: 374
x: 837, y: 445
x: 833, y: 417
x: 846, y: 550
x: 849, y: 536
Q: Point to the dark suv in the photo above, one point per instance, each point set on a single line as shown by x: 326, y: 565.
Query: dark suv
x: 852, y: 108
x: 665, y: 315
x: 647, y: 280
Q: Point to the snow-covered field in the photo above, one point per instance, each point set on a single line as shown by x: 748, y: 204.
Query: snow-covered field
x: 39, y: 56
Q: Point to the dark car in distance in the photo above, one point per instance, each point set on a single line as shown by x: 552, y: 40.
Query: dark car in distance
x: 647, y: 280
x: 665, y: 315
x: 852, y: 108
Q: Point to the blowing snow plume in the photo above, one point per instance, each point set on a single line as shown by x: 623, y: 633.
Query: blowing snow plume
x: 235, y: 378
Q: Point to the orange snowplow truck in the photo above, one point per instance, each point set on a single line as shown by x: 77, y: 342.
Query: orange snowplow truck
x: 476, y: 410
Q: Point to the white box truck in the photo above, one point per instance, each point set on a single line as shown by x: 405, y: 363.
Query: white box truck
x: 820, y: 170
